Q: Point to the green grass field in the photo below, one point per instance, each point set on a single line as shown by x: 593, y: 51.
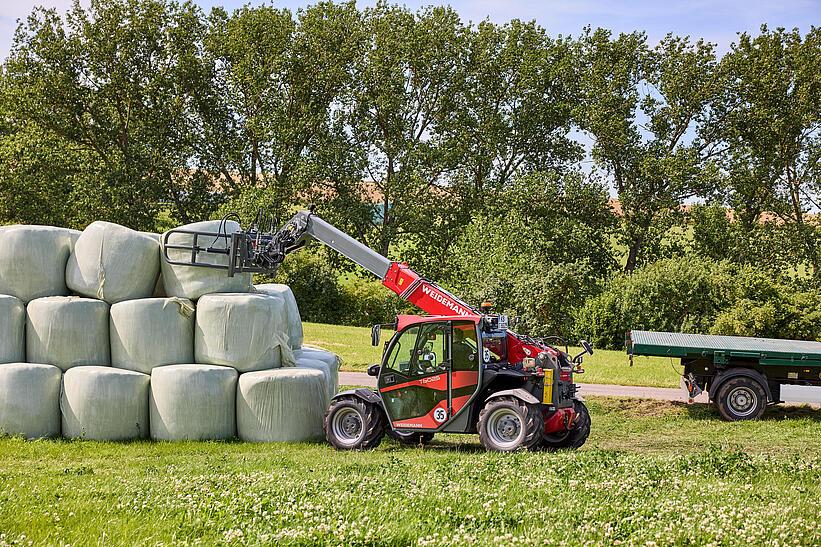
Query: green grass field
x: 603, y: 367
x: 651, y: 472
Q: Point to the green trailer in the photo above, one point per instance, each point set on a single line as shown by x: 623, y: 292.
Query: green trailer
x: 741, y: 375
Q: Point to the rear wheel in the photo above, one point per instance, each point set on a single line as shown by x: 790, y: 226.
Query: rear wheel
x: 507, y: 424
x: 741, y: 398
x: 410, y: 438
x: 576, y: 436
x: 353, y: 424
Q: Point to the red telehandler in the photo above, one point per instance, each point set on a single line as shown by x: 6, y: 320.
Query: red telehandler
x: 458, y: 369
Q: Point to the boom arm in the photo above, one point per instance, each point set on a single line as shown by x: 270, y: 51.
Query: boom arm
x: 263, y: 252
x: 396, y: 276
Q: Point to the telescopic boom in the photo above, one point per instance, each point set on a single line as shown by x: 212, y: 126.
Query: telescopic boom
x: 396, y: 276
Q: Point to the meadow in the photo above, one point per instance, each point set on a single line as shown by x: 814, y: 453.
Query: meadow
x: 651, y: 472
x: 353, y: 344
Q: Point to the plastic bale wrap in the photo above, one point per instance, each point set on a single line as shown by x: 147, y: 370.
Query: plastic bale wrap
x: 67, y: 331
x: 244, y: 331
x: 104, y: 404
x: 193, y: 402
x: 113, y: 263
x: 30, y: 400
x: 151, y: 332
x: 12, y: 330
x: 159, y: 288
x: 330, y: 372
x: 319, y: 354
x: 286, y: 405
x: 292, y: 317
x: 192, y: 282
x: 33, y: 261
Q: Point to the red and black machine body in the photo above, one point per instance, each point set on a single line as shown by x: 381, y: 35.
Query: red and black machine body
x: 454, y: 370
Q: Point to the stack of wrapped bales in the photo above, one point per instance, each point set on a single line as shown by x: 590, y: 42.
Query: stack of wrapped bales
x: 91, y: 346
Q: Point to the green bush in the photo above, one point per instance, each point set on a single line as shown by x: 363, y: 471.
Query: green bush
x: 367, y: 302
x: 700, y: 296
x: 679, y: 295
x: 315, y: 285
x: 794, y: 315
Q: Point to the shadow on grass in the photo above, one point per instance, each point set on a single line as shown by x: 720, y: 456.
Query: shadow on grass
x: 701, y: 411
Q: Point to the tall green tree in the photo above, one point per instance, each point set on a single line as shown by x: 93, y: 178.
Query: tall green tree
x: 116, y: 82
x: 538, y: 250
x: 280, y: 79
x: 769, y: 121
x: 511, y: 115
x: 404, y: 88
x: 645, y: 110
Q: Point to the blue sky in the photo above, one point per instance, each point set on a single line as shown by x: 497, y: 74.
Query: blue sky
x: 715, y: 20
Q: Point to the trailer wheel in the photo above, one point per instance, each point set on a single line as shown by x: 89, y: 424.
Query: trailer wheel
x: 574, y: 438
x: 409, y: 438
x: 741, y: 398
x: 507, y: 424
x: 353, y: 424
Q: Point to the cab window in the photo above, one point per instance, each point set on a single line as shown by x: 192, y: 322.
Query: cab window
x: 402, y: 355
x: 464, y: 346
x: 431, y: 349
x: 495, y: 347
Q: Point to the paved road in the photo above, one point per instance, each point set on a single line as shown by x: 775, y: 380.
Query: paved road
x: 658, y: 393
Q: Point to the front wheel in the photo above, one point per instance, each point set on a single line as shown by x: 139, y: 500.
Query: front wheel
x: 507, y: 424
x: 353, y: 424
x: 741, y: 398
x: 574, y: 437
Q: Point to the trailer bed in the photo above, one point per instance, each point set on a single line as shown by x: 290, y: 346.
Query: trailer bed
x: 767, y: 351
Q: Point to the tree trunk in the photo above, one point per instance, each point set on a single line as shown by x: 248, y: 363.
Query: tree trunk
x: 633, y: 250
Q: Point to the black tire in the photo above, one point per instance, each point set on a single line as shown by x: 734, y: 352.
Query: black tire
x: 353, y: 424
x: 741, y: 398
x: 507, y: 424
x: 410, y: 438
x: 576, y: 436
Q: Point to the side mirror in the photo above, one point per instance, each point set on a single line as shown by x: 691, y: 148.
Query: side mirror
x: 376, y: 334
x: 585, y: 345
x: 373, y: 370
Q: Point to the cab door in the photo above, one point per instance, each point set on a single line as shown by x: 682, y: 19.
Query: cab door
x: 414, y: 377
x: 430, y: 373
x: 465, y: 364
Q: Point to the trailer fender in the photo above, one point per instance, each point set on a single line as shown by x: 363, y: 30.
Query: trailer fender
x: 518, y: 393
x: 725, y: 375
x: 361, y: 393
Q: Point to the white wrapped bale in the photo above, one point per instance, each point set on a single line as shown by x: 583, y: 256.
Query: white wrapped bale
x: 286, y: 405
x: 30, y: 400
x: 292, y: 317
x: 330, y: 372
x: 67, y: 331
x: 113, y: 263
x: 33, y: 261
x: 193, y: 402
x: 310, y: 352
x: 159, y: 288
x: 151, y: 332
x: 244, y: 331
x: 192, y: 282
x: 12, y: 330
x: 73, y: 235
x: 104, y: 404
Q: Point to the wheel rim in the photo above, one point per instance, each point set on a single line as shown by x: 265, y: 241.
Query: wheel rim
x: 347, y: 426
x: 743, y: 401
x: 504, y: 427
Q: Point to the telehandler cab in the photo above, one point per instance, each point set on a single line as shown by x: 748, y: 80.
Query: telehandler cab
x: 457, y: 370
